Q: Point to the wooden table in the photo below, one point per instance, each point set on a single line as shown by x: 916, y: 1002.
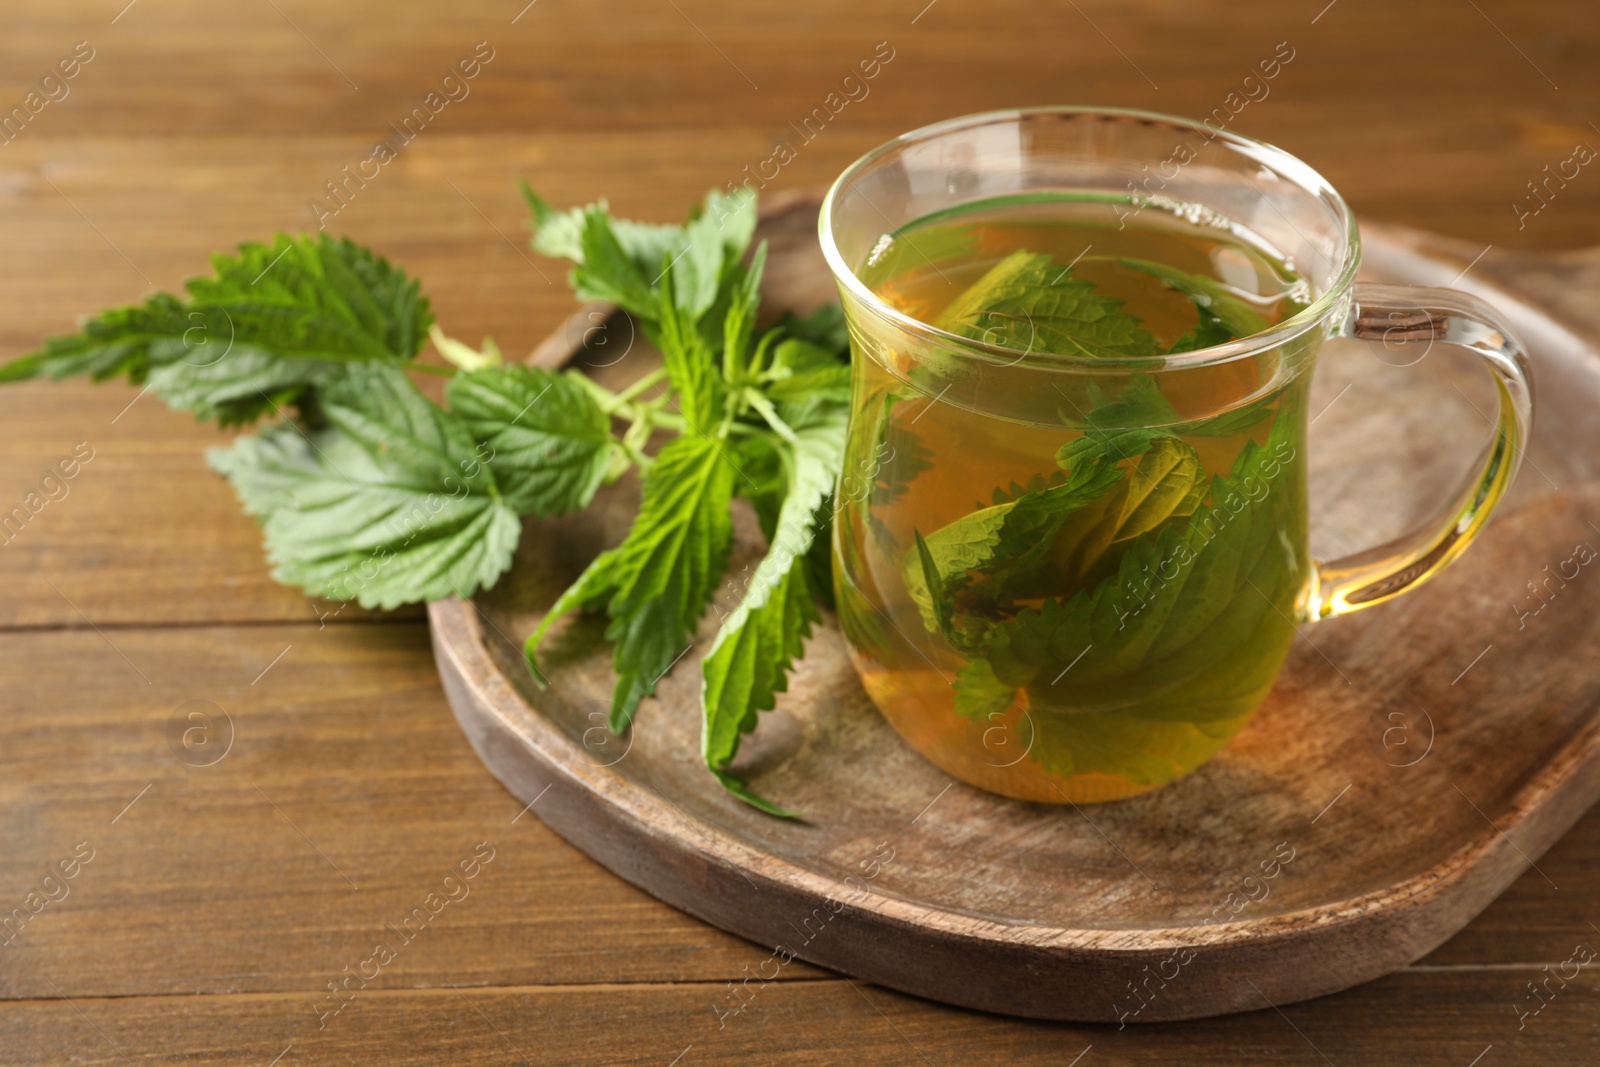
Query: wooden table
x: 222, y: 900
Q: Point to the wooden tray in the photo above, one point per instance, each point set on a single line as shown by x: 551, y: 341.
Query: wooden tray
x: 1411, y: 763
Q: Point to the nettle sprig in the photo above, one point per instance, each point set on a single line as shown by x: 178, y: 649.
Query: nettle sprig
x: 756, y: 414
x: 368, y: 491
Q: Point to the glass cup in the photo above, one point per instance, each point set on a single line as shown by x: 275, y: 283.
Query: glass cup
x: 1131, y: 675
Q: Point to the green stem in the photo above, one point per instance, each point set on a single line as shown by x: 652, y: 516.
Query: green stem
x: 603, y: 396
x: 625, y: 405
x: 621, y: 399
x: 770, y: 413
x: 429, y: 368
x: 639, y: 459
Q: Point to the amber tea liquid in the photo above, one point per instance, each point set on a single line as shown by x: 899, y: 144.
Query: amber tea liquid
x: 1050, y: 641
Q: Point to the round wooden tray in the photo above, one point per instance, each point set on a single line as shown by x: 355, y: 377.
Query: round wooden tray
x: 1412, y: 761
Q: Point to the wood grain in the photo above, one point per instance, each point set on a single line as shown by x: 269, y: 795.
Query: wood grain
x: 198, y: 125
x: 806, y: 1022
x: 1360, y: 99
x: 344, y: 765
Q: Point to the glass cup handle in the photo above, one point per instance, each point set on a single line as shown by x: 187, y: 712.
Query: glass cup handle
x: 1413, y: 315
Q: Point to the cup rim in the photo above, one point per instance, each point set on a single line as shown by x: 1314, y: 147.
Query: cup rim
x: 1291, y: 166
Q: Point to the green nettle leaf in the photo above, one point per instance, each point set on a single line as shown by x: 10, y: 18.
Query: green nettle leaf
x: 373, y: 493
x: 607, y: 272
x: 885, y: 474
x: 388, y: 505
x: 819, y: 559
x: 669, y: 566
x: 272, y: 322
x: 318, y: 297
x: 689, y: 359
x: 557, y: 234
x: 1179, y: 608
x: 1225, y: 306
x: 824, y: 327
x: 734, y: 213
x: 939, y: 614
x: 1140, y: 414
x: 763, y: 475
x: 623, y: 264
x: 241, y: 388
x: 1138, y: 405
x: 1151, y: 590
x: 1028, y: 302
x: 759, y: 641
x: 1027, y: 539
x: 660, y: 579
x: 763, y: 463
x: 1008, y: 544
x: 698, y: 266
x: 739, y: 322
x: 902, y: 457
x: 1168, y: 481
x: 1209, y: 332
x: 113, y: 343
x: 979, y: 694
x: 802, y: 370
x: 548, y: 442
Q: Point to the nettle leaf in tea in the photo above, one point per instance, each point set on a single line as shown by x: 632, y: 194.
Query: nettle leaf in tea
x: 1029, y: 302
x: 1082, y: 602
